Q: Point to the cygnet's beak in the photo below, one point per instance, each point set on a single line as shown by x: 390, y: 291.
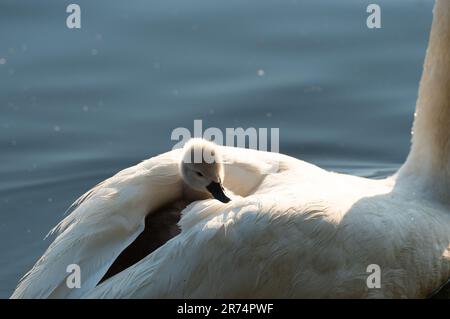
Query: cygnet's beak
x: 216, y: 190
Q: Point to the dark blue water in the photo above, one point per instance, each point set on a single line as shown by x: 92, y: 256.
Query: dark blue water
x: 76, y: 106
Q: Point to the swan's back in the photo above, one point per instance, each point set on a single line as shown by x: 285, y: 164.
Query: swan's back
x: 296, y: 239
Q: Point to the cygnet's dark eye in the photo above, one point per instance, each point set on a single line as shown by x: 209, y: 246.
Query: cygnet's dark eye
x: 199, y: 174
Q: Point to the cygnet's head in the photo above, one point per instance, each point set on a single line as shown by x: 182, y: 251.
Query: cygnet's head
x: 202, y: 168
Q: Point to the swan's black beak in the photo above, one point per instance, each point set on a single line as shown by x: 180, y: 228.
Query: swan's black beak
x: 217, y: 191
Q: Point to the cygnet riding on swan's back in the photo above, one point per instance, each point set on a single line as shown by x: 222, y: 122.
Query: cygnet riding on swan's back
x: 290, y: 230
x: 202, y: 169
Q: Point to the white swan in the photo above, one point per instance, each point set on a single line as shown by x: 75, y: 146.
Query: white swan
x: 291, y: 229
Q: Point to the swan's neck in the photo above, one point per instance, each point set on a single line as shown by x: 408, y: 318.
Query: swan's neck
x: 428, y: 163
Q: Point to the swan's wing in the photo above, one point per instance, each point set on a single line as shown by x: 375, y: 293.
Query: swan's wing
x: 215, y: 239
x: 102, y: 223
